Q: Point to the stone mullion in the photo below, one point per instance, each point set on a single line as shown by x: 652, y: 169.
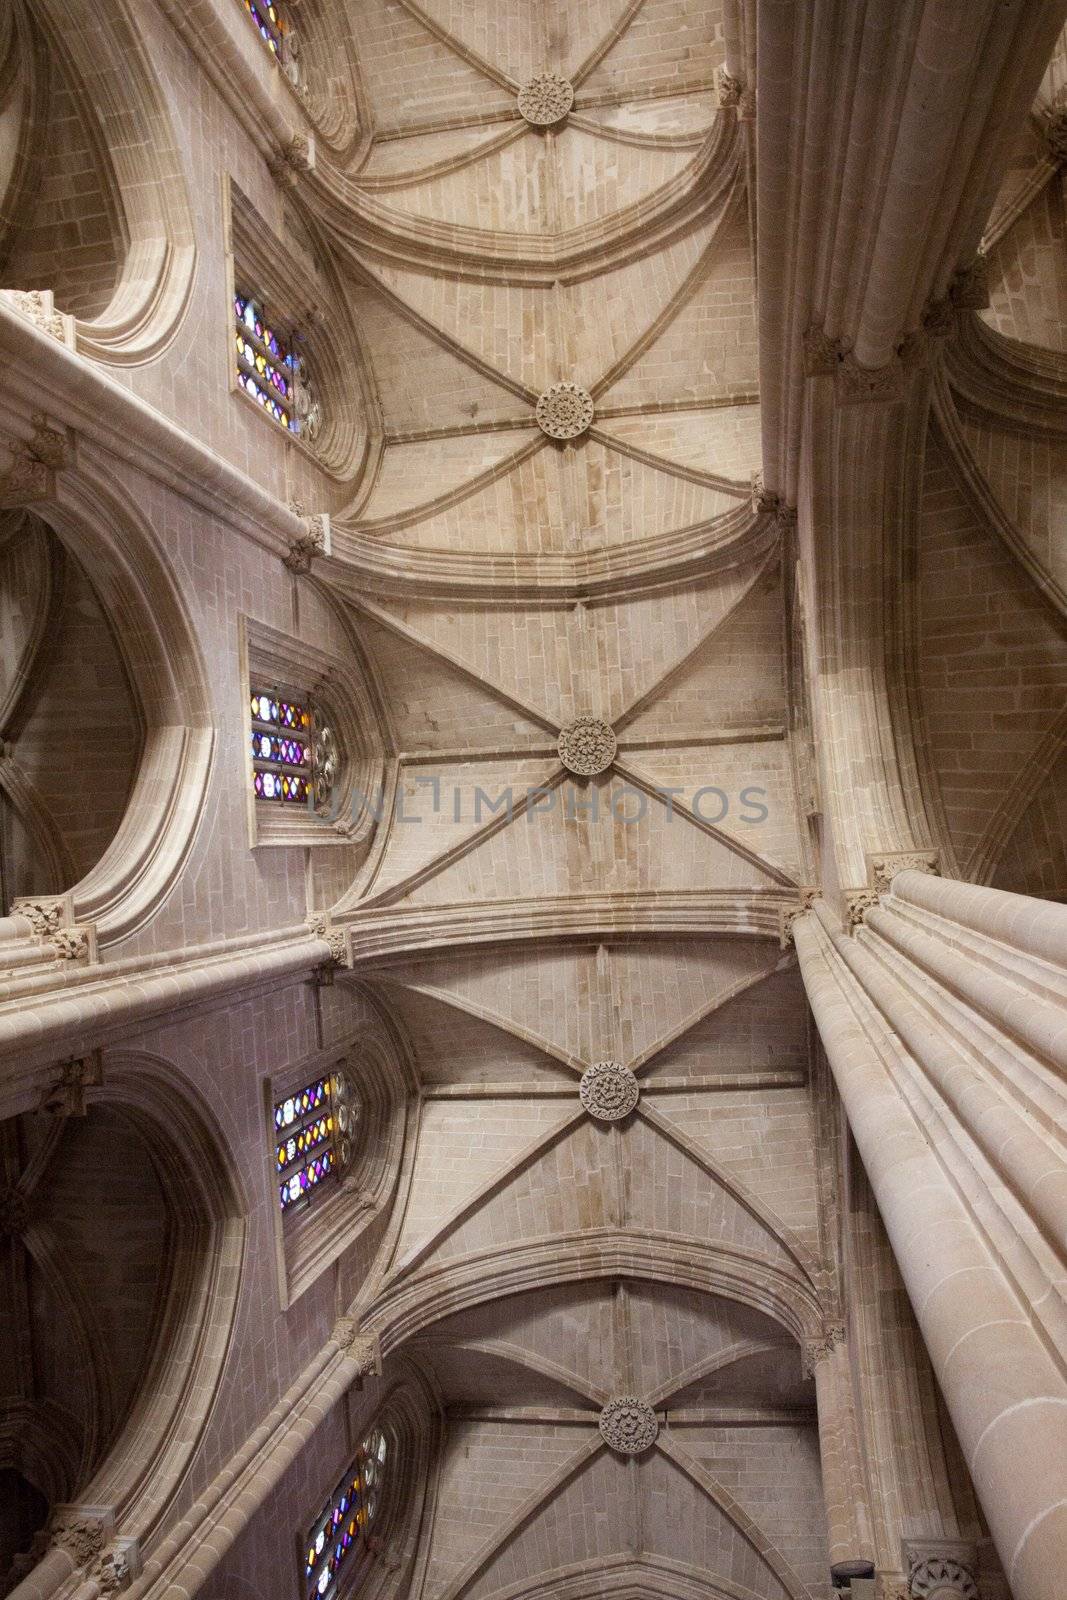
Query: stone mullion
x: 1003, y: 1387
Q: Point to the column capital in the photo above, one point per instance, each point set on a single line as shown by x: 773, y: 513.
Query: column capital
x: 941, y: 1569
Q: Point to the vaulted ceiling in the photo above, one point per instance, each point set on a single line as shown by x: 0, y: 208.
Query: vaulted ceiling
x: 502, y: 583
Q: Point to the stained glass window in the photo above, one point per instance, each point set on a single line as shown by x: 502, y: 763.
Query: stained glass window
x: 268, y: 369
x: 339, y: 1533
x: 313, y: 1130
x: 268, y: 19
x: 281, y: 747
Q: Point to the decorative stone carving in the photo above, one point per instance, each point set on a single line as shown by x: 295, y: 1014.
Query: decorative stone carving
x: 289, y: 57
x: 857, y: 904
x: 822, y: 355
x: 38, y: 306
x: 587, y: 746
x: 608, y: 1091
x: 82, y: 1533
x: 628, y: 1426
x: 363, y: 1348
x: 70, y: 944
x: 66, y: 1097
x: 336, y: 938
x: 44, y: 916
x: 14, y: 1212
x: 546, y: 99
x: 1056, y: 135
x: 112, y: 1572
x: 883, y: 869
x: 306, y: 404
x: 969, y: 289
x: 746, y: 106
x: 564, y: 411
x: 325, y: 764
x: 816, y: 1350
x: 729, y: 89
x: 30, y: 474
x: 789, y: 914
x: 314, y: 541
x: 297, y: 156
x: 856, y: 385
x: 940, y: 1569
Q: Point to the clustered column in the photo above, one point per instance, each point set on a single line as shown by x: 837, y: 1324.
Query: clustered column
x: 945, y: 1023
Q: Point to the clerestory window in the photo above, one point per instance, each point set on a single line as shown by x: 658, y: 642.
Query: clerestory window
x: 337, y: 1539
x: 271, y: 371
x: 294, y: 754
x: 271, y: 24
x: 314, y: 1132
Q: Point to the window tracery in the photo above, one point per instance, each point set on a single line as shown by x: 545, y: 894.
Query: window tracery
x: 344, y: 1523
x: 313, y: 1130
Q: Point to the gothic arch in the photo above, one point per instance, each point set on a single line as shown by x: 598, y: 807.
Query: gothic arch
x: 139, y: 170
x: 115, y: 545
x: 207, y: 1204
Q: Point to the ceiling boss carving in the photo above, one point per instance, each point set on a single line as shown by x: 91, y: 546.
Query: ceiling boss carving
x: 608, y: 1091
x: 545, y: 99
x: 628, y: 1426
x: 564, y: 411
x: 587, y: 746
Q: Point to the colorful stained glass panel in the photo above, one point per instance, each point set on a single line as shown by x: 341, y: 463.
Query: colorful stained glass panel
x: 281, y: 760
x: 266, y: 364
x: 338, y: 1535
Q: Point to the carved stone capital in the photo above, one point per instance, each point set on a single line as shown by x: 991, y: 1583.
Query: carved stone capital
x: 789, y: 914
x: 336, y: 938
x: 66, y: 1096
x: 856, y: 385
x: 314, y: 541
x: 857, y: 904
x: 116, y: 1569
x: 729, y: 89
x: 31, y: 472
x: 882, y: 869
x: 628, y: 1426
x: 82, y: 1531
x: 822, y: 355
x: 72, y: 944
x: 969, y: 289
x: 39, y: 307
x: 816, y: 1350
x: 45, y: 916
x: 941, y: 1569
x: 746, y: 106
x: 362, y: 1348
x: 298, y: 155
